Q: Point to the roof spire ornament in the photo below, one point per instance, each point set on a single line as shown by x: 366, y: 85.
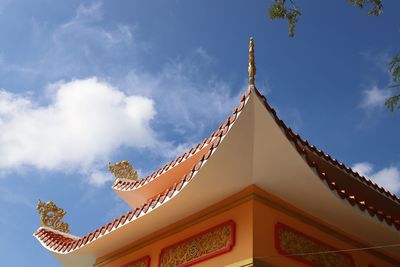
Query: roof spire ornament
x: 51, y: 216
x: 252, y: 65
x: 123, y: 170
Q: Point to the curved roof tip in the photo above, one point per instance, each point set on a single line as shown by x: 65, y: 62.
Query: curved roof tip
x: 252, y: 65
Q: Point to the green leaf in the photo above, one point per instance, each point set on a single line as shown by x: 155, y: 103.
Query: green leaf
x: 396, y: 74
x: 279, y: 11
x: 377, y: 7
x: 393, y: 102
x: 395, y: 60
x: 292, y: 17
x: 394, y: 68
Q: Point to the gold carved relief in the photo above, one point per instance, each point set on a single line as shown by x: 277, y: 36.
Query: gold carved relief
x: 210, y: 243
x: 51, y: 216
x: 124, y: 170
x: 302, y: 247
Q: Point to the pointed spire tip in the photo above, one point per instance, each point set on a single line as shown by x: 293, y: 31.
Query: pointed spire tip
x: 252, y: 65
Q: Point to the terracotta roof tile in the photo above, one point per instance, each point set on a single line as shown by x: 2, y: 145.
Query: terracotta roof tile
x: 138, y: 211
x: 146, y: 207
x: 170, y: 193
x: 162, y: 198
x: 79, y: 243
x: 69, y: 247
x: 180, y: 184
x: 154, y: 202
x: 97, y: 233
x: 85, y: 239
x: 198, y: 166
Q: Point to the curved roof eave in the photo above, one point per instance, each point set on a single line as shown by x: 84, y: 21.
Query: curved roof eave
x: 61, y: 245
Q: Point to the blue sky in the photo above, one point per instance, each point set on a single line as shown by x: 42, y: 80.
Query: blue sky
x: 85, y: 83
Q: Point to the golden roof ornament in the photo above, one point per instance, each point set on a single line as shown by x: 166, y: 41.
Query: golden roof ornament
x: 51, y: 216
x: 252, y: 65
x: 123, y: 170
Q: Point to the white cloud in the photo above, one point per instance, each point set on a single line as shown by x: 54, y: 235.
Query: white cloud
x: 85, y: 27
x: 388, y: 178
x: 84, y: 122
x: 92, y: 11
x: 187, y: 97
x: 81, y: 45
x: 188, y: 104
x: 374, y: 97
x: 84, y: 44
x: 363, y: 168
x: 98, y: 178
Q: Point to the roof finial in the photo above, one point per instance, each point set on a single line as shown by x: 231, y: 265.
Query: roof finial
x: 123, y: 169
x: 51, y: 216
x: 252, y: 65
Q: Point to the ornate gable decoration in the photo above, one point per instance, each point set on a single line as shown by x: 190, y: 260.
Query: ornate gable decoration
x: 300, y: 247
x: 205, y: 245
x: 51, y: 216
x: 123, y: 170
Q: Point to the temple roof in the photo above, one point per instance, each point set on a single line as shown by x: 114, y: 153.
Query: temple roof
x: 253, y: 147
x: 346, y: 185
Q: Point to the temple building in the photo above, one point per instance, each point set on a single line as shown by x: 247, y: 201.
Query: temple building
x: 254, y: 193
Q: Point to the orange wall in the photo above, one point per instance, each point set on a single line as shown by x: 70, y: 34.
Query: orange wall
x: 255, y: 214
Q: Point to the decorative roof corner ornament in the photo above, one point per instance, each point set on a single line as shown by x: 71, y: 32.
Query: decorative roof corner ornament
x: 252, y: 65
x: 123, y: 170
x: 51, y: 216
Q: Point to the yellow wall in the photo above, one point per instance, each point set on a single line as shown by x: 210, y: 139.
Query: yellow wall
x: 255, y: 213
